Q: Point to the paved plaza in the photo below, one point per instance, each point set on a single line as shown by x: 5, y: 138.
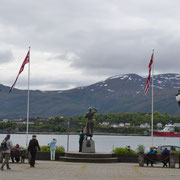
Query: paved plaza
x: 48, y: 170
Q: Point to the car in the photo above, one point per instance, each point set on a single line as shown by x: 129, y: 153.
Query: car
x: 169, y: 147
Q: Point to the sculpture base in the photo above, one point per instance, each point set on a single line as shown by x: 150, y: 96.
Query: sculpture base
x: 88, y: 146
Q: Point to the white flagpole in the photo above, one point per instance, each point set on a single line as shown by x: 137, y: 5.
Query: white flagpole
x: 27, y: 125
x: 152, y: 116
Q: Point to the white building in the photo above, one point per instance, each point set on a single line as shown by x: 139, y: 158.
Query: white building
x: 114, y: 125
x: 145, y: 125
x: 159, y: 125
x: 177, y: 124
x: 127, y: 125
x: 121, y: 124
x: 104, y: 124
x: 5, y: 120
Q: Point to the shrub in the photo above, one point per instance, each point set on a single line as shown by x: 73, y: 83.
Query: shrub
x: 120, y: 150
x: 177, y: 153
x: 60, y: 149
x: 47, y: 149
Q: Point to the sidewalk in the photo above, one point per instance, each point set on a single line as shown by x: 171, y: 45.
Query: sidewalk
x: 48, y: 170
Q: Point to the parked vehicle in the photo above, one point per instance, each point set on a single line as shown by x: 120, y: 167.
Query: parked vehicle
x: 169, y: 147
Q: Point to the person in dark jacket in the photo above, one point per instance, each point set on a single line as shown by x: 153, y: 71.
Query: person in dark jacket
x: 32, y: 148
x: 165, y: 155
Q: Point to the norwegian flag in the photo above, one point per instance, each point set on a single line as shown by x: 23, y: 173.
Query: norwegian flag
x: 146, y: 89
x: 26, y: 60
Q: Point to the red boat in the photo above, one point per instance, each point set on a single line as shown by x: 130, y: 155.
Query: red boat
x: 167, y: 131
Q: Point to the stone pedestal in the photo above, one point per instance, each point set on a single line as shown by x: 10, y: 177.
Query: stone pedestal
x: 88, y: 146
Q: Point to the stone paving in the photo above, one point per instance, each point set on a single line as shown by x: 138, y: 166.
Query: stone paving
x: 54, y: 170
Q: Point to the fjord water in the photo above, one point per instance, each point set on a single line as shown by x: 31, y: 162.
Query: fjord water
x: 103, y: 143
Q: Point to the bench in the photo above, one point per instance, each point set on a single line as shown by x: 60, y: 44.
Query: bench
x: 153, y: 158
x: 18, y: 155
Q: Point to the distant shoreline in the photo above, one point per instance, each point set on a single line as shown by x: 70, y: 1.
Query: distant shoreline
x: 74, y: 133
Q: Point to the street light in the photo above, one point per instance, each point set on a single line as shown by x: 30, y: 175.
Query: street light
x: 178, y: 100
x: 178, y: 97
x: 68, y: 123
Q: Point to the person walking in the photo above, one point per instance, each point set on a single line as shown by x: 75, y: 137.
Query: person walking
x: 32, y: 148
x: 81, y: 138
x: 52, y: 146
x: 7, y: 146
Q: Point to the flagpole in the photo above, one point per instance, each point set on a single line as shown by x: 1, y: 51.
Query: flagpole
x: 27, y: 125
x: 152, y: 116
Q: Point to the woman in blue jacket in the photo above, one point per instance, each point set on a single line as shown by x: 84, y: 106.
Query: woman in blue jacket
x: 52, y: 146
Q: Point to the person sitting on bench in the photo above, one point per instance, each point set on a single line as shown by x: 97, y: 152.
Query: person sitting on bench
x: 152, y: 152
x: 165, y: 153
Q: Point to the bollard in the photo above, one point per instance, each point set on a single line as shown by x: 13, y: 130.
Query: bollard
x: 172, y: 160
x: 141, y: 159
x: 179, y: 160
x: 1, y: 157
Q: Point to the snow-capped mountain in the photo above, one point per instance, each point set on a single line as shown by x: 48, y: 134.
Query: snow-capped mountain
x: 121, y: 93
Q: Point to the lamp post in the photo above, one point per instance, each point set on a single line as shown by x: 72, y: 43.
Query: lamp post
x: 68, y: 123
x: 178, y: 100
x: 178, y: 97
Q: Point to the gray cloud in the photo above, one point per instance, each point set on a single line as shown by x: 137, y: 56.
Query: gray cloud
x: 97, y: 38
x: 5, y: 56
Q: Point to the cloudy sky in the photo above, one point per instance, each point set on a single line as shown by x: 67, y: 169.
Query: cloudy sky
x: 80, y: 42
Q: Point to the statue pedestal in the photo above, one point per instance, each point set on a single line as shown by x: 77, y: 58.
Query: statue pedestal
x: 88, y: 146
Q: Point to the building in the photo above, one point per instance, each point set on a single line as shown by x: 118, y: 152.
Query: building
x: 159, y: 125
x: 145, y: 125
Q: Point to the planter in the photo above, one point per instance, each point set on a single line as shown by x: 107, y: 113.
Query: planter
x: 46, y: 155
x: 127, y: 158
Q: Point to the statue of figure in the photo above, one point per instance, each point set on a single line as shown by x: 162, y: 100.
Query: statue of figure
x: 90, y: 122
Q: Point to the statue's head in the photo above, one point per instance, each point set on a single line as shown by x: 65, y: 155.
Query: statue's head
x: 90, y: 108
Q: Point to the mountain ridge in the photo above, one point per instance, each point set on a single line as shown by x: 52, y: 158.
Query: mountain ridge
x: 116, y: 94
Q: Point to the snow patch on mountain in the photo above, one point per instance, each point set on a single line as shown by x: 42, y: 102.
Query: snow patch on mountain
x: 110, y: 90
x: 160, y: 82
x: 158, y: 87
x: 122, y: 76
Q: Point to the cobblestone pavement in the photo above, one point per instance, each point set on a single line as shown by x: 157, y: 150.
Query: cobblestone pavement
x: 48, y: 170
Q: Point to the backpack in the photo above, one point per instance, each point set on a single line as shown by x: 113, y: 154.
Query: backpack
x: 4, y: 145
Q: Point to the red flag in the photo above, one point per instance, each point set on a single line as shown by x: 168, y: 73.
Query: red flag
x: 26, y: 60
x: 146, y: 89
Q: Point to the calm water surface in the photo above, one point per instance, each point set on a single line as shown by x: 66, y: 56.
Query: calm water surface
x: 103, y: 143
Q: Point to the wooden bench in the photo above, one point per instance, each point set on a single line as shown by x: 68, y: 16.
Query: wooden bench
x: 153, y: 158
x: 18, y: 155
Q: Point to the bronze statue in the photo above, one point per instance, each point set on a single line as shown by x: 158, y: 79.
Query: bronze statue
x: 90, y: 122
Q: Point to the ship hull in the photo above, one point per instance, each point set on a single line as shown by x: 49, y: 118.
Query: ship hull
x: 166, y: 134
